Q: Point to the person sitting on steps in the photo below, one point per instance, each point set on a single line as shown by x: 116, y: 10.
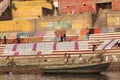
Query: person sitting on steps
x: 10, y: 62
x: 81, y: 59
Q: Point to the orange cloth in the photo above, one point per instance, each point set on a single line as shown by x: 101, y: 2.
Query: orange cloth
x: 83, y: 32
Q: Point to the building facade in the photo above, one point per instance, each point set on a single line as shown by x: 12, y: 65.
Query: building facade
x: 81, y: 6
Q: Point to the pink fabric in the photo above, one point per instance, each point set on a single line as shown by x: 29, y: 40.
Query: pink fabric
x: 39, y: 53
x: 15, y: 47
x: 54, y: 46
x: 40, y: 33
x: 12, y: 35
x: 16, y: 53
x: 34, y: 47
x: 76, y: 46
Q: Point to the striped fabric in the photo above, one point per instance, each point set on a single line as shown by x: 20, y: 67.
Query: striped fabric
x: 49, y: 47
x: 12, y: 35
x: 46, y: 52
x: 25, y: 47
x: 112, y: 44
x: 2, y: 48
x: 40, y: 33
x: 61, y: 46
x: 104, y: 44
x: 108, y: 44
x: 27, y: 53
x: 50, y: 33
x: 44, y: 46
x: 8, y: 53
x: 83, y: 45
x: 8, y: 47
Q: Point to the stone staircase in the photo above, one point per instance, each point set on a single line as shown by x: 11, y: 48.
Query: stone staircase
x: 105, y: 36
x: 101, y: 19
x: 1, y: 48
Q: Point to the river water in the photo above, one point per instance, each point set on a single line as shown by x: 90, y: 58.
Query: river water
x: 102, y: 76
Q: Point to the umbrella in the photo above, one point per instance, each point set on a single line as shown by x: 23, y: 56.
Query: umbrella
x: 60, y: 29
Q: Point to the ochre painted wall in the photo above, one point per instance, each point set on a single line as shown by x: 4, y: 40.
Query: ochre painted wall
x: 47, y: 23
x: 28, y: 9
x: 16, y: 25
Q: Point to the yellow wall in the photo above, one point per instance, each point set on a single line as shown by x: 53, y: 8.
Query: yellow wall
x: 113, y: 21
x: 29, y: 9
x: 16, y: 25
x: 79, y: 24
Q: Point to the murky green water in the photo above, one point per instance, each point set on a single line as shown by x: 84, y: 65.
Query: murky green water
x: 103, y: 76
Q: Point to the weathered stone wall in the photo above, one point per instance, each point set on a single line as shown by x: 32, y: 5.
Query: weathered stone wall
x: 113, y: 19
x: 83, y: 20
x: 33, y: 25
x: 76, y: 21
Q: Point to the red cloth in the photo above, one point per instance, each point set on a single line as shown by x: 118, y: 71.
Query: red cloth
x: 61, y: 35
x: 97, y: 30
x: 71, y: 38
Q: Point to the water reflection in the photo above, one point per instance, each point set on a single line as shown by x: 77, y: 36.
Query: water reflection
x: 113, y: 75
x: 54, y: 77
x: 75, y: 77
x: 21, y: 77
x: 103, y: 76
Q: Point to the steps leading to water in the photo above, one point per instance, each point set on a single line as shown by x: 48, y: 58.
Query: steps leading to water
x: 105, y: 36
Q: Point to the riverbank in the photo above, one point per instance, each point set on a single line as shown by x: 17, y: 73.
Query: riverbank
x: 32, y: 65
x: 114, y: 67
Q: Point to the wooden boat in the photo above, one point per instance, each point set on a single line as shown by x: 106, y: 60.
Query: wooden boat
x: 49, y: 67
x: 77, y: 68
x: 70, y: 68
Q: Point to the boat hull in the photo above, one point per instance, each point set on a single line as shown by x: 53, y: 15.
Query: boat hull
x: 73, y: 68
x: 81, y: 68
